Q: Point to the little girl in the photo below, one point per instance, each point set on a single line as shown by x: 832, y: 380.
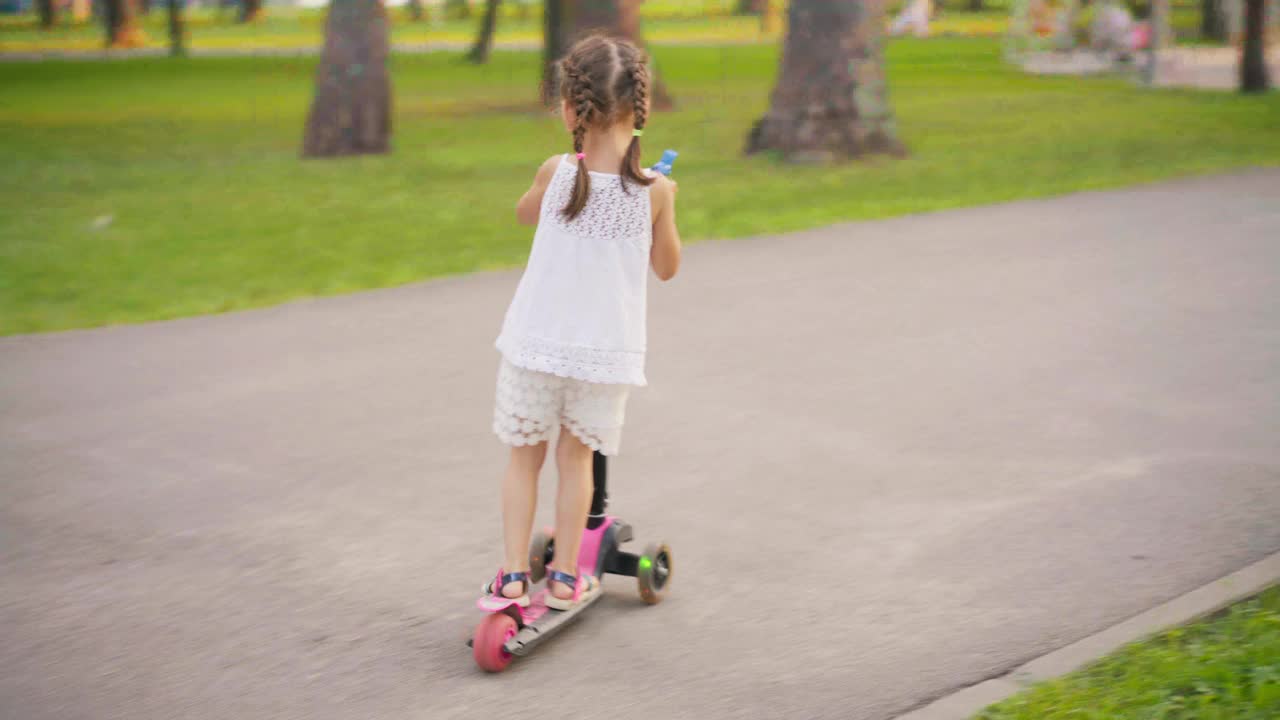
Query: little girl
x: 573, y: 341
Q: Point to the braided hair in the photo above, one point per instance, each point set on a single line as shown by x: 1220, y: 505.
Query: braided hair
x: 603, y: 79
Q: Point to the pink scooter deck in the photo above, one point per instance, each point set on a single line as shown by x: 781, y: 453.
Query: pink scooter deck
x: 538, y: 621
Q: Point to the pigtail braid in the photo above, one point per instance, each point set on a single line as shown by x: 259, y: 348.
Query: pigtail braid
x: 583, y: 98
x: 636, y: 75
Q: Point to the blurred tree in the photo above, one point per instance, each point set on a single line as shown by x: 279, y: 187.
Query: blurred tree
x: 417, y: 11
x: 144, y: 7
x: 250, y: 10
x: 1253, y: 61
x: 1213, y: 20
x: 460, y: 9
x: 177, y: 41
x: 567, y: 21
x: 351, y: 112
x: 120, y: 21
x: 751, y: 7
x: 974, y: 5
x: 830, y: 101
x: 484, y: 40
x: 48, y: 13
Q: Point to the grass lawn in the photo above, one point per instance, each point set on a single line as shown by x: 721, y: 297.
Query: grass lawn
x: 666, y: 21
x: 1225, y: 668
x: 147, y: 189
x: 291, y: 28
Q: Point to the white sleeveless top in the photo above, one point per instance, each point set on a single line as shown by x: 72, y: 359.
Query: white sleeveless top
x: 579, y: 311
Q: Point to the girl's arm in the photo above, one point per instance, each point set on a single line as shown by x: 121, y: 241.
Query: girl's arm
x: 665, y: 254
x: 530, y: 205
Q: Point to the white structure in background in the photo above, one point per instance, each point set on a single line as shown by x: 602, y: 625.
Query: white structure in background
x: 1114, y: 31
x: 914, y: 17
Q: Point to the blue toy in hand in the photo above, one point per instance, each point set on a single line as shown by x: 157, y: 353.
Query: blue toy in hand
x: 664, y: 165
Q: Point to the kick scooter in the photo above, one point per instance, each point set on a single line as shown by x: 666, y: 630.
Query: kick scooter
x: 509, y: 631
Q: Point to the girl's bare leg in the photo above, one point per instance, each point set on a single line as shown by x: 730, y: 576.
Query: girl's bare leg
x: 573, y: 502
x: 519, y: 502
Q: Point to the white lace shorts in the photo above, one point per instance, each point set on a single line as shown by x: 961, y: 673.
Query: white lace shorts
x: 532, y: 406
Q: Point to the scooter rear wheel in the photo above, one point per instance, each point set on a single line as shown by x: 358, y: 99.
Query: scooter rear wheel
x: 653, y: 573
x: 491, y: 635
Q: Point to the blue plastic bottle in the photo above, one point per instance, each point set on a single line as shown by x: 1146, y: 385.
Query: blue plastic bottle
x: 668, y: 160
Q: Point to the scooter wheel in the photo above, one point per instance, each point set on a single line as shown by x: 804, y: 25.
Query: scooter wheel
x: 492, y: 634
x: 653, y: 575
x: 540, y: 552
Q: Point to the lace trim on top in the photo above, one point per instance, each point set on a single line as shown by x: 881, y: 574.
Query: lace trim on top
x: 611, y: 367
x: 611, y: 211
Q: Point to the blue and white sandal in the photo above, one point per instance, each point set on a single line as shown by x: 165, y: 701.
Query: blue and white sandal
x: 494, y: 587
x: 583, y: 586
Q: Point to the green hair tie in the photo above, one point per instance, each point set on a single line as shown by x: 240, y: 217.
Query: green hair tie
x: 637, y: 132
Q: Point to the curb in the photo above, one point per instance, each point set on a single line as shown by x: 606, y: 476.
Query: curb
x: 1205, y: 600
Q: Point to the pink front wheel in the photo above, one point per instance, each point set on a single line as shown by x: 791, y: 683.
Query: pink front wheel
x: 491, y: 635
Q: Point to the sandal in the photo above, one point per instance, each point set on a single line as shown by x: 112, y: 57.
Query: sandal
x: 583, y: 586
x: 494, y: 587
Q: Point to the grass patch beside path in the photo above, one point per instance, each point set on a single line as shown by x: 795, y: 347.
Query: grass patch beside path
x: 1223, y: 668
x: 148, y: 189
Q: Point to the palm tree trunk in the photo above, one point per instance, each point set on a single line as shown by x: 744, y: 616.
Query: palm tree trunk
x: 48, y: 13
x: 830, y: 100
x: 1213, y: 25
x: 484, y: 40
x: 1253, y: 62
x: 177, y: 41
x: 567, y: 21
x: 250, y: 10
x: 121, y: 24
x: 351, y: 112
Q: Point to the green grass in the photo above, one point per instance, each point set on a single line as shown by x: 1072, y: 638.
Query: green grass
x: 196, y: 163
x: 666, y: 21
x: 291, y: 28
x: 1225, y: 668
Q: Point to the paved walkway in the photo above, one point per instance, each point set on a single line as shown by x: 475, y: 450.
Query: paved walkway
x: 892, y: 458
x: 1205, y: 68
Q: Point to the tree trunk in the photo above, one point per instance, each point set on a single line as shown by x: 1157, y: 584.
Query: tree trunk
x: 1253, y: 61
x: 568, y: 21
x: 830, y: 100
x: 484, y: 41
x: 751, y: 7
x: 416, y: 11
x: 144, y: 7
x: 122, y: 25
x: 1213, y: 21
x: 48, y: 14
x: 351, y: 112
x: 250, y: 10
x: 177, y: 41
